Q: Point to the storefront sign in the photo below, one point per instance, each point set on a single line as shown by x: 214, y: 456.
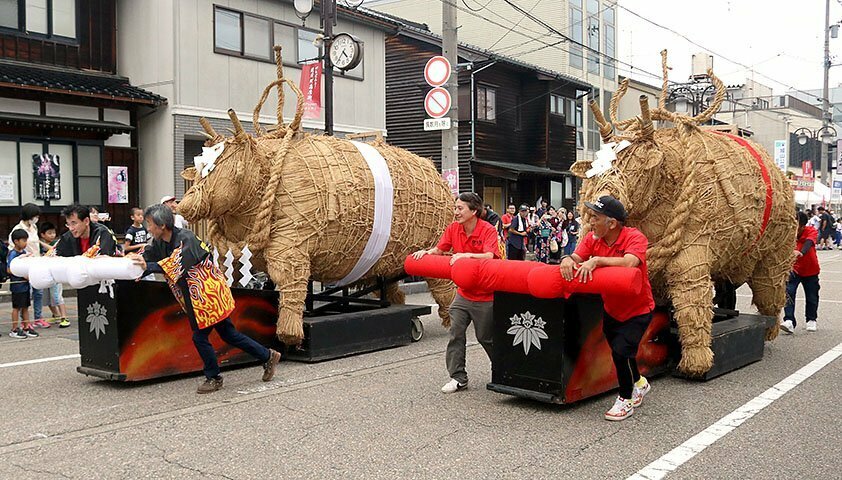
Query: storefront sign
x: 780, y: 154
x: 802, y: 183
x: 311, y: 85
x: 118, y: 185
x: 46, y: 170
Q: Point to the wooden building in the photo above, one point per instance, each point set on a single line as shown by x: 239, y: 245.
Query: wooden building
x: 519, y: 125
x: 62, y: 102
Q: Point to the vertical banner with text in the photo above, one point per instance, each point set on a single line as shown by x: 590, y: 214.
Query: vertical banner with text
x: 311, y: 85
x: 780, y: 154
x: 807, y: 168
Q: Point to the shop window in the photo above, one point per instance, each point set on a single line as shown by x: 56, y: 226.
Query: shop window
x: 47, y: 173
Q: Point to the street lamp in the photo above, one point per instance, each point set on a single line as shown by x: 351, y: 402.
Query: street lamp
x: 825, y: 134
x: 303, y: 8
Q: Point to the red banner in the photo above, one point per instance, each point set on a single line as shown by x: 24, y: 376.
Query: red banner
x: 807, y: 168
x: 311, y: 85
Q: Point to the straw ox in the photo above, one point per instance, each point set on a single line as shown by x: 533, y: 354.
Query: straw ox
x: 713, y: 205
x: 308, y: 206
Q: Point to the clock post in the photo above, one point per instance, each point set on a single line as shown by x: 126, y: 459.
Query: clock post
x: 328, y: 21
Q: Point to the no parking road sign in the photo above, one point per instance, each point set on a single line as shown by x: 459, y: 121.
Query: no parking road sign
x: 437, y: 102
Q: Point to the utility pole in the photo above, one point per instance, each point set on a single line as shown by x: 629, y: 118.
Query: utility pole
x: 328, y: 20
x: 449, y: 46
x: 825, y: 102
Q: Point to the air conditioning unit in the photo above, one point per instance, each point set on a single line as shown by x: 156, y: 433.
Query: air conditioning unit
x: 701, y: 63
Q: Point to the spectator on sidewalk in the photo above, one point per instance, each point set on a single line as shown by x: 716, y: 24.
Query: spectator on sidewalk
x: 55, y: 294
x: 19, y: 286
x: 805, y: 271
x: 467, y: 237
x: 136, y: 235
x: 84, y: 237
x: 170, y: 202
x: 518, y: 231
x: 29, y: 214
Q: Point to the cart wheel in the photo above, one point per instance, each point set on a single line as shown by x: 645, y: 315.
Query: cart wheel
x: 417, y: 329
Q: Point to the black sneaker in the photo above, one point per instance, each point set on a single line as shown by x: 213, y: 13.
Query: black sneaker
x: 17, y: 333
x: 30, y: 332
x: 210, y: 385
x: 269, y: 366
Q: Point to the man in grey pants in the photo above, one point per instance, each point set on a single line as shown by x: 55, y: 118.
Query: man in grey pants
x: 467, y: 238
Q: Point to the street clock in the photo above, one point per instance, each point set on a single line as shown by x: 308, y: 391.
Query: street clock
x: 346, y: 51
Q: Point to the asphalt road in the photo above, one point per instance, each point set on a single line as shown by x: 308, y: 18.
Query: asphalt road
x: 381, y: 415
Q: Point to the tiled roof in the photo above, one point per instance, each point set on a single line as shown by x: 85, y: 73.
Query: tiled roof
x: 74, y: 82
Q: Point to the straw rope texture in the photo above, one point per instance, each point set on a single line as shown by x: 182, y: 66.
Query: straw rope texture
x: 304, y: 205
x: 699, y: 197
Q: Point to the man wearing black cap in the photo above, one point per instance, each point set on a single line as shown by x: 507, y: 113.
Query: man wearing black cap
x: 610, y: 243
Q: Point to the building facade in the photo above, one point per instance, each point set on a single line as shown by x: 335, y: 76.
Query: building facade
x: 68, y: 122
x: 576, y: 38
x: 510, y: 150
x: 208, y: 56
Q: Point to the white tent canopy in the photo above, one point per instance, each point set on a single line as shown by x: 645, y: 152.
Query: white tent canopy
x: 820, y: 193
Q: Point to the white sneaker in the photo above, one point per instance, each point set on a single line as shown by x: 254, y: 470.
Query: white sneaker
x: 639, y: 393
x: 811, y: 326
x: 453, y: 386
x: 788, y: 327
x: 621, y: 410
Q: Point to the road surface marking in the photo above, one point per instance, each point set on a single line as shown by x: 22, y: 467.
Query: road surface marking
x: 821, y: 300
x: 38, y: 360
x: 678, y: 456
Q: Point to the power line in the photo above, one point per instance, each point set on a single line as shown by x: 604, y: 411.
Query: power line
x: 711, y: 51
x: 513, y: 26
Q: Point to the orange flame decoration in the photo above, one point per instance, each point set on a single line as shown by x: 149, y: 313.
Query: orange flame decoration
x: 93, y: 251
x: 212, y: 299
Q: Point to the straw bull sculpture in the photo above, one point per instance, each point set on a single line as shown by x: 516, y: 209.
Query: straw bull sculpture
x: 314, y: 206
x: 714, y: 207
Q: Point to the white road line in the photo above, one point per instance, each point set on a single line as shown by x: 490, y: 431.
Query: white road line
x: 799, y: 299
x: 38, y: 360
x: 673, y: 459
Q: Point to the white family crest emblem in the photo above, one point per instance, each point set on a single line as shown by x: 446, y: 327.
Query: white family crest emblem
x: 528, y: 330
x: 96, y: 319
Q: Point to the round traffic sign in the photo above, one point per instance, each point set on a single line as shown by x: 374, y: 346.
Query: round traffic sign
x: 437, y: 71
x: 437, y: 102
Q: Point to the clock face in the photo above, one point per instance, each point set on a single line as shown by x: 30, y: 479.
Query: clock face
x: 344, y: 52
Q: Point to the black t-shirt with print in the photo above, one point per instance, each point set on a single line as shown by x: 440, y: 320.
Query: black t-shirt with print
x: 137, y: 235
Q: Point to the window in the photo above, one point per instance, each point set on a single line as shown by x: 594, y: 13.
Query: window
x: 89, y: 174
x: 570, y: 112
x: 576, y: 33
x: 486, y: 104
x: 227, y: 34
x: 307, y: 52
x: 580, y: 136
x: 241, y: 34
x: 609, y: 69
x: 257, y: 39
x: 593, y: 36
x: 593, y: 128
x: 556, y: 105
x: 51, y: 18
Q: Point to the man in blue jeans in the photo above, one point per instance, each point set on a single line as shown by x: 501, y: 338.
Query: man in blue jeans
x: 806, y: 272
x: 201, y: 289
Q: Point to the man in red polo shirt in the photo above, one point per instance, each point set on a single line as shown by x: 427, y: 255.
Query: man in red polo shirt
x: 806, y: 272
x: 467, y: 238
x: 610, y: 243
